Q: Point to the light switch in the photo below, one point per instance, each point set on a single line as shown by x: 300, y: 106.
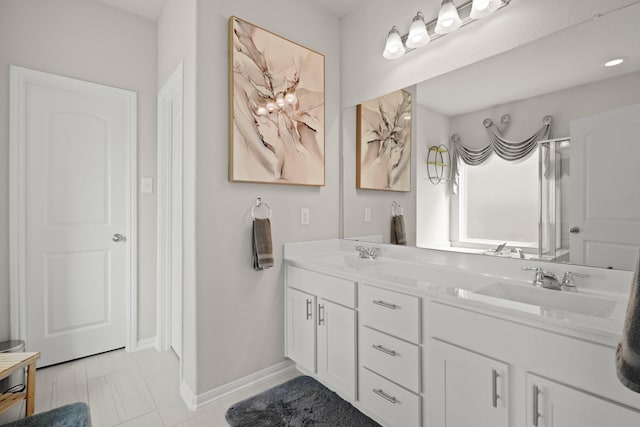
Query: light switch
x: 146, y: 185
x: 367, y: 214
x: 305, y: 216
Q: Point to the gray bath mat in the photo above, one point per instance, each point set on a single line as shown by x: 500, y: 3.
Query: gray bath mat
x: 301, y: 401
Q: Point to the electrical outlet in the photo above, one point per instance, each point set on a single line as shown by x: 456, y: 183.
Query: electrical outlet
x: 367, y: 214
x: 146, y: 185
x: 305, y: 216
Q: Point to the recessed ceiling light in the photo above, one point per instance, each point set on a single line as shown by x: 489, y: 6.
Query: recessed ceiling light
x: 614, y: 62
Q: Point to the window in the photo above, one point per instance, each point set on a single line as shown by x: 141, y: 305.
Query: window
x: 499, y: 202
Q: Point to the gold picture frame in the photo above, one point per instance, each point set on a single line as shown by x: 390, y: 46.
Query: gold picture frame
x: 276, y: 108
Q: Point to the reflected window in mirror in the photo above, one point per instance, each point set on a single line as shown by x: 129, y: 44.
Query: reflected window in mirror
x: 499, y: 203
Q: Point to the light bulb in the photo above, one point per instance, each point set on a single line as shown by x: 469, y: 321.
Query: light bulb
x: 271, y: 106
x: 280, y: 101
x: 418, y: 35
x: 394, y: 48
x: 261, y: 111
x: 448, y: 18
x: 482, y: 8
x: 290, y: 98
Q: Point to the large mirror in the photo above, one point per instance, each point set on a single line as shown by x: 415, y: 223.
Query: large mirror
x: 574, y: 199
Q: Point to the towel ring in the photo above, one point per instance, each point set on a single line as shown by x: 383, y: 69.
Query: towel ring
x: 396, y: 209
x: 259, y: 204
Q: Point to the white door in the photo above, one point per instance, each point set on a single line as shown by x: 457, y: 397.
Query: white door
x: 75, y: 139
x: 605, y: 200
x: 466, y: 388
x: 301, y: 331
x: 337, y: 347
x: 550, y: 404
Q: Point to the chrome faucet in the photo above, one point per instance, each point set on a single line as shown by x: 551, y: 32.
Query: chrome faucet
x: 545, y: 279
x: 367, y: 252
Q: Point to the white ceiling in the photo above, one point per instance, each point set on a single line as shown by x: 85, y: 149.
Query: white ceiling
x: 151, y: 9
x: 562, y: 60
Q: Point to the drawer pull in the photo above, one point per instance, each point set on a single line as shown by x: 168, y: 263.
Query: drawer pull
x: 386, y: 396
x: 536, y: 410
x: 494, y: 384
x: 384, y: 350
x: 309, y: 313
x: 320, y: 314
x: 386, y: 304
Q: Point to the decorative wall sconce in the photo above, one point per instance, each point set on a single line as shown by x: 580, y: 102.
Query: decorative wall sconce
x: 450, y: 18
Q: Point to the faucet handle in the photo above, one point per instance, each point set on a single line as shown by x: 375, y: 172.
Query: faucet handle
x: 568, y: 283
x: 540, y: 275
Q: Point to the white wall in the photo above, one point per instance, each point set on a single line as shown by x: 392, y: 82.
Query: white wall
x: 367, y: 75
x: 240, y: 312
x: 564, y: 106
x: 432, y: 201
x: 88, y: 41
x: 177, y: 44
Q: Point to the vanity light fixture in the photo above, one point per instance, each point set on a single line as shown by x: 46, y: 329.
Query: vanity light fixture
x: 450, y: 18
x: 482, y: 8
x: 394, y: 47
x: 418, y: 34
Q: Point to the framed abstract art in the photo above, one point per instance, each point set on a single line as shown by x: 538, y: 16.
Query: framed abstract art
x: 383, y: 143
x: 276, y: 108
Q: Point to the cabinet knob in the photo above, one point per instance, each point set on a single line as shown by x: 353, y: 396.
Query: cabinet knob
x: 574, y: 230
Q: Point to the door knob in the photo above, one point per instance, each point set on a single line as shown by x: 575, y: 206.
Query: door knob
x: 574, y: 230
x: 118, y: 237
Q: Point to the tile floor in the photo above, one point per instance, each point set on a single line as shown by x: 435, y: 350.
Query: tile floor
x: 130, y: 390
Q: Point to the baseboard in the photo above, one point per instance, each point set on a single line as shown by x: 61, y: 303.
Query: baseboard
x: 194, y: 401
x: 145, y: 343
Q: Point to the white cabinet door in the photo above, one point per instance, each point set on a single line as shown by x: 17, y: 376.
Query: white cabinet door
x: 550, y: 404
x: 301, y: 332
x: 337, y: 347
x: 466, y: 388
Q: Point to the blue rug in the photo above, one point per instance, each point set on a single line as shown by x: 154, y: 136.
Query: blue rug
x: 301, y: 401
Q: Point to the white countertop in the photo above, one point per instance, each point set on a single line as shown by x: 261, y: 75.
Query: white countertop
x: 467, y: 285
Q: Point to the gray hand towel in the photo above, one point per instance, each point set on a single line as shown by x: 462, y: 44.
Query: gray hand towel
x: 261, y: 244
x: 628, y: 353
x: 398, y: 234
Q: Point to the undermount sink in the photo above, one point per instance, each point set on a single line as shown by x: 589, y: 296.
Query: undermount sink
x: 550, y: 301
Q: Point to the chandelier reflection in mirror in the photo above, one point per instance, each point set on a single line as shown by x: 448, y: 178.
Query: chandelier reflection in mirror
x: 450, y: 18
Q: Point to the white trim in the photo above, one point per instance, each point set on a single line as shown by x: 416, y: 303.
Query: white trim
x: 145, y: 344
x: 195, y: 401
x: 171, y: 91
x: 19, y: 79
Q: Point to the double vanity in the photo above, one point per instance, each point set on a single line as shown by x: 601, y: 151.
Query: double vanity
x: 416, y: 337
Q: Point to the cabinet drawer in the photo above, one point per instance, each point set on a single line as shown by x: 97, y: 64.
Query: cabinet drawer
x: 390, y: 403
x: 331, y: 288
x: 390, y: 357
x: 392, y: 312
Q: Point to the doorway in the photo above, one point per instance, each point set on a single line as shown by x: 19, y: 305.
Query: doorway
x: 170, y: 240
